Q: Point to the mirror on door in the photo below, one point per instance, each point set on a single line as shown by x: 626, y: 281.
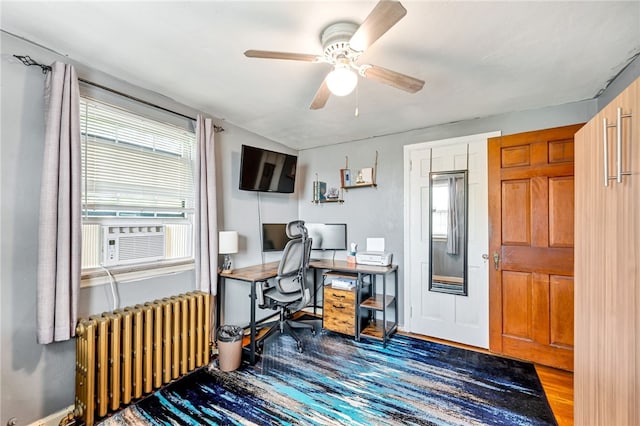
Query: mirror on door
x: 448, y: 232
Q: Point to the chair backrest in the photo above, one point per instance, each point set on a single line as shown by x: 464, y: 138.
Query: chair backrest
x: 292, y: 270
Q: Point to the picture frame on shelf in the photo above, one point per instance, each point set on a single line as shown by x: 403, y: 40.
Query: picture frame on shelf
x: 345, y: 177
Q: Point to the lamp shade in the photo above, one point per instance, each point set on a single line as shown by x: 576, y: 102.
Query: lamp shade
x: 228, y: 242
x: 342, y: 80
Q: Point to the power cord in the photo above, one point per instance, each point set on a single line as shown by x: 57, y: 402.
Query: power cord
x: 260, y: 227
x: 114, y: 290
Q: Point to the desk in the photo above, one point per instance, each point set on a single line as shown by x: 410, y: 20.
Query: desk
x: 251, y: 274
x: 373, y: 304
x: 261, y: 273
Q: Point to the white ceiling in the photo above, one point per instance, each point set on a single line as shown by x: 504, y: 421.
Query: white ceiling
x: 477, y: 58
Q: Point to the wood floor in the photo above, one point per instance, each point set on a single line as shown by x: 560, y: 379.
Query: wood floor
x: 558, y: 385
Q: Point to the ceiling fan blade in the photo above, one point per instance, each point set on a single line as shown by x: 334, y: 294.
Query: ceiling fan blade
x: 266, y: 54
x: 383, y: 16
x: 321, y: 97
x: 393, y: 78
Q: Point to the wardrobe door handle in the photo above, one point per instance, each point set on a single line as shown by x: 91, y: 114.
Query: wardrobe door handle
x: 605, y: 144
x: 619, y: 147
x: 619, y: 172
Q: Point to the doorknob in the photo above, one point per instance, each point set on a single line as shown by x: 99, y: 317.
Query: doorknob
x: 485, y: 256
x: 496, y: 260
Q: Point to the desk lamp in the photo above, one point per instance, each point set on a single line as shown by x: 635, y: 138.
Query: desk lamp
x: 227, y: 245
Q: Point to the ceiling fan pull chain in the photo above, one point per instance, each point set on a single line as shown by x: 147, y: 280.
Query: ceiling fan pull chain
x: 357, y: 111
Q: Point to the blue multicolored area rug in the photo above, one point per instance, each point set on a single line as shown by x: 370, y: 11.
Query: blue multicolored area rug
x: 338, y: 381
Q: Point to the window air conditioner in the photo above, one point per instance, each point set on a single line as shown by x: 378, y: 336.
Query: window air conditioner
x: 129, y: 244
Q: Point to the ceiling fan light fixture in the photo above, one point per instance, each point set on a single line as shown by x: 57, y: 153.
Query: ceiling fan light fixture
x: 342, y: 80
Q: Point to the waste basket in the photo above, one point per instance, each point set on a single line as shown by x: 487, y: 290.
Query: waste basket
x: 229, y: 339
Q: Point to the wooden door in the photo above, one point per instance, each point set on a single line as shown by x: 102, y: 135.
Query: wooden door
x: 531, y: 208
x: 607, y: 336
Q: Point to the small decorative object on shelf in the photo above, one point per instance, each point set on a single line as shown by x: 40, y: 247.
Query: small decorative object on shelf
x: 332, y: 194
x: 364, y: 177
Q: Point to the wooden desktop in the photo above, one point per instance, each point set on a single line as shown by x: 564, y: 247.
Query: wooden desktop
x: 377, y: 303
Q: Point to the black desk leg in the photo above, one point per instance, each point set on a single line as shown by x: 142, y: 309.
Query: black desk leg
x: 252, y: 344
x: 315, y: 291
x: 384, y: 311
x: 219, y: 305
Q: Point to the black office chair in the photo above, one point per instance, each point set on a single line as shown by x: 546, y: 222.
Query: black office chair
x: 290, y: 292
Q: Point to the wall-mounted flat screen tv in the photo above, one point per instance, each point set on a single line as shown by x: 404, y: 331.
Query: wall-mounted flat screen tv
x: 267, y: 171
x: 274, y: 236
x: 327, y: 236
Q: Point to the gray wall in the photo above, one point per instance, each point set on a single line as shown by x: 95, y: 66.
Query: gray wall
x: 37, y: 380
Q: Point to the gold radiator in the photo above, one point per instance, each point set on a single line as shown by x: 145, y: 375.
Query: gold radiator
x: 130, y: 352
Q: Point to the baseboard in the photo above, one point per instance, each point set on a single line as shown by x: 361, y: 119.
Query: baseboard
x: 53, y: 419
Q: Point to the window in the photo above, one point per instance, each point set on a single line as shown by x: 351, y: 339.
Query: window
x: 440, y: 209
x: 138, y: 182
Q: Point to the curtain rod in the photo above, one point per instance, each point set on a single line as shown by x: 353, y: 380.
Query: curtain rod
x: 26, y: 60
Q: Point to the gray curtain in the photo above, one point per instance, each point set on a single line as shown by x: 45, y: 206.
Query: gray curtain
x: 452, y: 223
x: 206, y: 208
x: 60, y: 239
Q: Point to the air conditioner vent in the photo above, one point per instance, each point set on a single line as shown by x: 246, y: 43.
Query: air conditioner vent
x: 129, y: 244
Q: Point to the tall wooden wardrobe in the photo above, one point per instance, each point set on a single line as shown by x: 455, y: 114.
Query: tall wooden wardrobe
x: 607, y: 265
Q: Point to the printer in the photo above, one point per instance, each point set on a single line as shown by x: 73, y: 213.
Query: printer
x: 377, y: 258
x: 375, y: 254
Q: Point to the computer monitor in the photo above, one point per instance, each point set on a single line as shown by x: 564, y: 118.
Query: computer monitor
x: 274, y: 236
x: 327, y: 236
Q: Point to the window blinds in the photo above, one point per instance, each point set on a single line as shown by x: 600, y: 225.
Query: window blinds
x: 134, y: 164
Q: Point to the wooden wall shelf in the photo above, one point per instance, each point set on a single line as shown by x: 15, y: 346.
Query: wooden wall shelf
x: 361, y: 185
x: 361, y: 178
x: 328, y: 200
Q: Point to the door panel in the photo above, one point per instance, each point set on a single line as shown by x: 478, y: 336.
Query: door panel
x: 561, y: 292
x: 561, y: 151
x: 531, y: 210
x: 541, y: 259
x: 516, y: 223
x: 516, y: 156
x: 516, y: 289
x: 457, y: 318
x: 538, y: 212
x: 561, y: 204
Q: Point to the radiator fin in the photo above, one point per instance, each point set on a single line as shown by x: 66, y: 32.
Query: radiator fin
x: 124, y: 355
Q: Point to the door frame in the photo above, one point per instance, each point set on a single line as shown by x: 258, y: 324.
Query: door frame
x: 407, y: 151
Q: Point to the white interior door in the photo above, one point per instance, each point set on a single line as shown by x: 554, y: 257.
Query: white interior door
x: 463, y: 319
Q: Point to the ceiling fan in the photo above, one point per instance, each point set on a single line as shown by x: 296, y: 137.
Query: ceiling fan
x: 343, y: 43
